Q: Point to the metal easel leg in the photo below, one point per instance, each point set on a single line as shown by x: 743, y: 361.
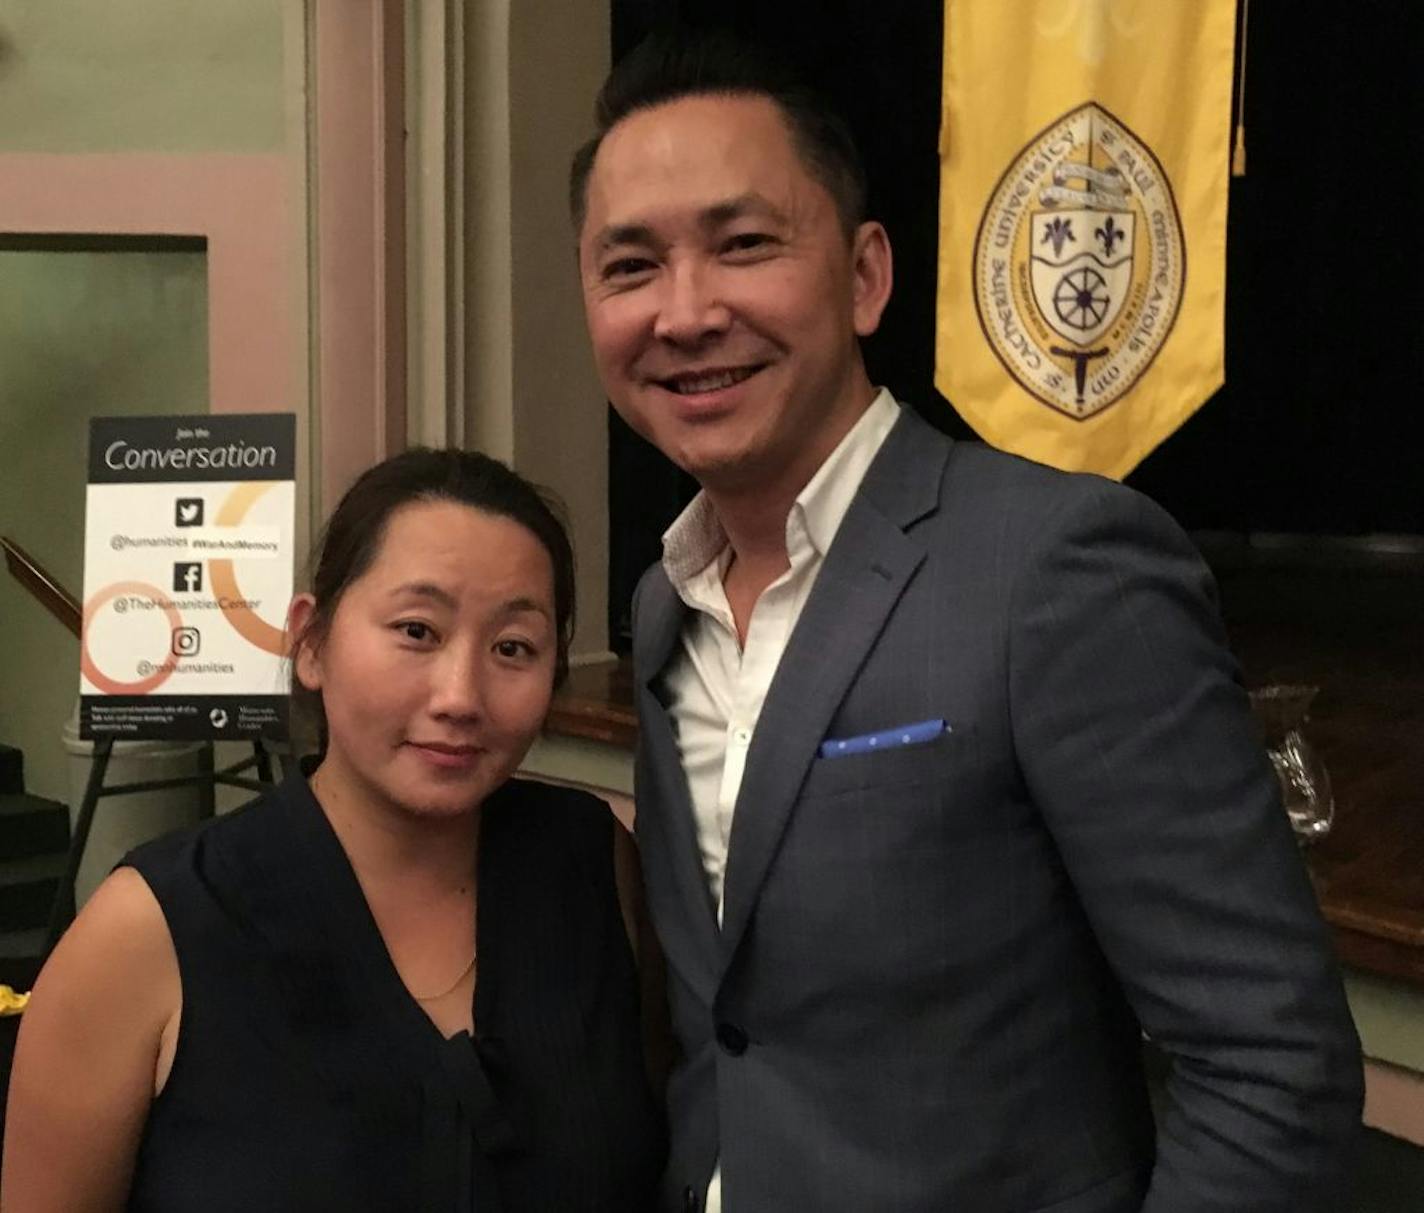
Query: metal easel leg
x: 207, y: 785
x: 264, y: 761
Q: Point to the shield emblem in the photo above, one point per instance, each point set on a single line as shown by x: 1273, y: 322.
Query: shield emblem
x: 1080, y: 269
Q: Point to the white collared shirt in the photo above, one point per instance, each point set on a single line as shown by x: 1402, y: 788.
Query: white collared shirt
x: 715, y: 687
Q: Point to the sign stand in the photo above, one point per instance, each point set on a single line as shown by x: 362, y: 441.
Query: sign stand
x: 206, y: 779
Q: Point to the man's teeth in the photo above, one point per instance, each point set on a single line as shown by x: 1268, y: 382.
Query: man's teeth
x: 711, y: 382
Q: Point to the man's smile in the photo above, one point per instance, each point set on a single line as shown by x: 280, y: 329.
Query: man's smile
x: 714, y: 379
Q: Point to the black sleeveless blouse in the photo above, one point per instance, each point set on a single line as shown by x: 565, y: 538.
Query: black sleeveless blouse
x: 307, y: 1079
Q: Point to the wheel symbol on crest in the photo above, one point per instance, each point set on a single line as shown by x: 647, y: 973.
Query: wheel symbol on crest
x: 1081, y: 298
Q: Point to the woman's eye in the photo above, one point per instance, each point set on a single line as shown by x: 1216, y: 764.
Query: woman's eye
x: 514, y: 649
x: 413, y: 629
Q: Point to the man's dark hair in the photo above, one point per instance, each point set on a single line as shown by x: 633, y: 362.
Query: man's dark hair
x: 668, y: 66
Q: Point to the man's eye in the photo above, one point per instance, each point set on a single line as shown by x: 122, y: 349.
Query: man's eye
x: 747, y: 242
x: 627, y: 267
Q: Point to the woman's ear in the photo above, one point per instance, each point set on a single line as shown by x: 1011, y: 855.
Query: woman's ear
x: 300, y: 643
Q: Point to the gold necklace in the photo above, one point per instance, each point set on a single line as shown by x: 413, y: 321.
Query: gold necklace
x: 465, y: 972
x: 451, y: 988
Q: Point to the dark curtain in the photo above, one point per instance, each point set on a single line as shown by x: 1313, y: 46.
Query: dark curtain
x: 1320, y: 425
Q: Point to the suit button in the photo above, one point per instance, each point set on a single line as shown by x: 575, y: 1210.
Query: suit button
x: 732, y: 1039
x: 689, y: 1200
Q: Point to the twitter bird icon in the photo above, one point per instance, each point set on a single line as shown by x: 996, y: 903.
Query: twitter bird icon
x: 189, y: 511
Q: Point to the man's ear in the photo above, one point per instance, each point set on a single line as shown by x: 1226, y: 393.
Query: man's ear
x: 301, y: 647
x: 873, y: 271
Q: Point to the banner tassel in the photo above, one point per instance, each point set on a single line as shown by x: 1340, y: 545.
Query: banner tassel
x: 1238, y: 151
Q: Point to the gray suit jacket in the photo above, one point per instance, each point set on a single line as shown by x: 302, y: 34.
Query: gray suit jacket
x: 934, y: 960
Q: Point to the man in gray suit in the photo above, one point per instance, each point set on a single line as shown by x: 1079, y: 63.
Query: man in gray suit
x: 947, y: 790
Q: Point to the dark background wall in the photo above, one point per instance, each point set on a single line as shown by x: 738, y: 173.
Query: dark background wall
x: 1320, y: 426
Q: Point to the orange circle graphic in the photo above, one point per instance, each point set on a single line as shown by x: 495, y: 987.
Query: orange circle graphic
x: 101, y: 598
x: 223, y: 578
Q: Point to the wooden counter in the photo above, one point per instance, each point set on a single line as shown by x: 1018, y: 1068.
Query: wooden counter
x: 1358, y: 634
x: 596, y: 704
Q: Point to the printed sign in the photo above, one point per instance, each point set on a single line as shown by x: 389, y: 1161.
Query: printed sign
x: 188, y: 554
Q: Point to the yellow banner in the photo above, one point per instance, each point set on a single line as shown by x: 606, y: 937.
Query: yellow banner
x: 1082, y: 249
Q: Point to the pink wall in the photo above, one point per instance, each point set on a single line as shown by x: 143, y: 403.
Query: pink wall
x: 242, y: 204
x: 253, y: 211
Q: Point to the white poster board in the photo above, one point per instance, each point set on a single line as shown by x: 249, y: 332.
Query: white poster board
x: 188, y: 550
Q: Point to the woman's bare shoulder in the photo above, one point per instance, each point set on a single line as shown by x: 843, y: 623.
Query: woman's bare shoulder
x: 115, y: 964
x: 83, y: 1077
x: 120, y: 934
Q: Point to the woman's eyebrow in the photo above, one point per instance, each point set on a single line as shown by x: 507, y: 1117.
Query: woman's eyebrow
x: 520, y: 605
x: 524, y: 606
x: 425, y: 589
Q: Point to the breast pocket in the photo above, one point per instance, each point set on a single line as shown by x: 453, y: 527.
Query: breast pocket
x: 923, y: 762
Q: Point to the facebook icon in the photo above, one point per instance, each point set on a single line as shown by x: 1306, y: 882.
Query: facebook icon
x: 188, y: 577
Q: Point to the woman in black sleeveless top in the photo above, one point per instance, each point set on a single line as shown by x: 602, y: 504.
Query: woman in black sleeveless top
x: 401, y: 980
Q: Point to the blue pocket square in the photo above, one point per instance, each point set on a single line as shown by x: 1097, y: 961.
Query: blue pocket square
x: 886, y: 739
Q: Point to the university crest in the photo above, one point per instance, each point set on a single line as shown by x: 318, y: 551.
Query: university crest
x: 1079, y: 263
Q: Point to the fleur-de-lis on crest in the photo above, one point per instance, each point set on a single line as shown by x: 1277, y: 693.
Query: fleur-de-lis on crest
x: 1060, y: 231
x: 1109, y: 234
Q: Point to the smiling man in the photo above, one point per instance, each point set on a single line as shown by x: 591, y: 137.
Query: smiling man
x: 946, y: 788
x: 720, y: 318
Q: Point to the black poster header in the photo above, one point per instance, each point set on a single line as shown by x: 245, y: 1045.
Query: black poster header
x: 218, y: 446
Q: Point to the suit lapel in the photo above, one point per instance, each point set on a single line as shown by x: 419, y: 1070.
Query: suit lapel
x: 661, y: 782
x: 867, y: 569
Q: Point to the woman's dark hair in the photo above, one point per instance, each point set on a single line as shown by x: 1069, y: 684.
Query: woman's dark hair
x: 671, y: 64
x: 357, y: 526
